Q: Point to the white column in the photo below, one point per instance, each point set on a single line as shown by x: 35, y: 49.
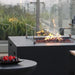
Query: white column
x: 73, y: 8
x: 37, y: 15
x: 60, y: 13
x: 72, y: 15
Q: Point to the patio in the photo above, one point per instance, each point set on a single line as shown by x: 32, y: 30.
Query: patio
x: 39, y: 30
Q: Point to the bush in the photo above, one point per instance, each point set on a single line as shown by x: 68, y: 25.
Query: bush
x: 13, y: 21
x: 15, y: 28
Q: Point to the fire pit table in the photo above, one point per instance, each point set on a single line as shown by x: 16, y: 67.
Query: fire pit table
x: 26, y: 67
x: 52, y: 57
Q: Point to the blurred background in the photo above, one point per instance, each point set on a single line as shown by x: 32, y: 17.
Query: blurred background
x: 20, y: 17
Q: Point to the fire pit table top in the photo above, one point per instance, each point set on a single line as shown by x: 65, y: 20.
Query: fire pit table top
x: 20, y: 41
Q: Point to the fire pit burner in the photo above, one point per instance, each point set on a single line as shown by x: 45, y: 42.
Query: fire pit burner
x: 53, y: 40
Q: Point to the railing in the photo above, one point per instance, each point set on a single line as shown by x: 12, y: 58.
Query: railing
x: 61, y: 30
x: 32, y: 29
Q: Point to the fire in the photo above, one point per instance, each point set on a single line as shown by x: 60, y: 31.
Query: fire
x: 59, y: 37
x: 52, y: 37
x: 54, y: 23
x: 42, y: 33
x: 39, y: 33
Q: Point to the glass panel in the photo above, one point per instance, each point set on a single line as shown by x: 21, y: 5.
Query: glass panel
x: 49, y: 16
x: 64, y: 16
x: 45, y: 14
x: 55, y: 16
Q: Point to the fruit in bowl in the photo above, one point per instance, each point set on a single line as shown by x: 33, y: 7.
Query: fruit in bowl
x: 9, y: 60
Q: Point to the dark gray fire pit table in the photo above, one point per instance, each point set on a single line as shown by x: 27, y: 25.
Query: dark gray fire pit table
x: 52, y: 58
x: 26, y: 67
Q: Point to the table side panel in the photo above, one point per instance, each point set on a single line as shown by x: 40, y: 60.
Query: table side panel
x: 12, y: 49
x: 51, y: 60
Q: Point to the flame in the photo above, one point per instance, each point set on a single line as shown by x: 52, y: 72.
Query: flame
x: 52, y: 37
x: 42, y: 32
x: 54, y: 23
x: 59, y: 37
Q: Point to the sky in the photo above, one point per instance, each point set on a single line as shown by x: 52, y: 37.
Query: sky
x: 48, y: 3
x: 10, y: 1
x: 22, y: 1
x: 15, y: 1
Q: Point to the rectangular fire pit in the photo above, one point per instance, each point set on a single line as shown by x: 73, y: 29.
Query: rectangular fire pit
x: 52, y: 56
x: 55, y: 39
